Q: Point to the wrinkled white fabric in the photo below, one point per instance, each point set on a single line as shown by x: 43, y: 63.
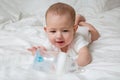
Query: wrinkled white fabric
x: 19, y: 34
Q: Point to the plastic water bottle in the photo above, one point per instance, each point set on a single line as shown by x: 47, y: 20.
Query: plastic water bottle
x: 43, y: 63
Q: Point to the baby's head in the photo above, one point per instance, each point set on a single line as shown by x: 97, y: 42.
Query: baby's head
x: 60, y: 20
x: 61, y: 9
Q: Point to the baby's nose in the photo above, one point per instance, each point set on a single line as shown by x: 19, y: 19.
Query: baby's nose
x: 59, y: 35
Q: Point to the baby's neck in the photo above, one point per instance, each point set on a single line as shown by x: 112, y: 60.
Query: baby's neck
x: 64, y: 49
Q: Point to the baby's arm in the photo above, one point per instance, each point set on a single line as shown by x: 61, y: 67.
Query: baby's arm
x: 80, y: 20
x: 94, y: 33
x: 84, y: 57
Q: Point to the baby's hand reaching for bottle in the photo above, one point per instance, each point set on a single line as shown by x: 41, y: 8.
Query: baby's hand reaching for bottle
x: 34, y: 49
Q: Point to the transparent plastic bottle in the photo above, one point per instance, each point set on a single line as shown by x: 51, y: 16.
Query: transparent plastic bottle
x: 43, y: 63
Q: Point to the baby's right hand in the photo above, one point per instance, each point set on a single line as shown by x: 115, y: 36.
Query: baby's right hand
x: 34, y: 49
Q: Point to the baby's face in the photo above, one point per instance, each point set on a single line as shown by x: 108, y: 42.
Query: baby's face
x: 59, y: 29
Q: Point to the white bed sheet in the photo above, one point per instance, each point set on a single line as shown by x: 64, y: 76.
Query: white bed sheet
x: 15, y: 60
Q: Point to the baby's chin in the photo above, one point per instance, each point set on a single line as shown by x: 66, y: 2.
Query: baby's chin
x: 59, y: 46
x: 62, y: 46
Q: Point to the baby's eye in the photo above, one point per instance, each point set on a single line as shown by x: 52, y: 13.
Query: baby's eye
x: 65, y: 30
x: 52, y: 31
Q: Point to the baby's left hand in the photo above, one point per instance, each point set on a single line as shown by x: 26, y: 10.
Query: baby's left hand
x: 79, y: 18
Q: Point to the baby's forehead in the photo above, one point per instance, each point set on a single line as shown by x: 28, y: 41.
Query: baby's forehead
x: 55, y: 18
x: 61, y: 16
x: 58, y: 14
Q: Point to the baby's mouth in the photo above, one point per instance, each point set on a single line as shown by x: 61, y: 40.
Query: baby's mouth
x: 59, y: 42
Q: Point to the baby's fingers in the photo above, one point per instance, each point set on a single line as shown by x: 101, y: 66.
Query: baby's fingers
x: 42, y: 50
x: 33, y: 50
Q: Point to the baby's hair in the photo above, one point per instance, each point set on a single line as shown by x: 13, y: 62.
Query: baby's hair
x: 62, y: 9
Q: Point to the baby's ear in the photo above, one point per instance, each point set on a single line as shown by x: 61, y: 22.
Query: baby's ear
x: 45, y: 28
x: 75, y: 27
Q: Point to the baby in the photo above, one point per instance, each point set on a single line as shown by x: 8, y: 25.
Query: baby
x: 61, y: 29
